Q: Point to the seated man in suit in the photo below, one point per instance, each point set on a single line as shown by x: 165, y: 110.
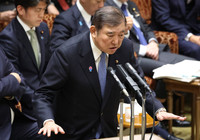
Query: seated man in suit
x: 181, y: 17
x: 25, y: 41
x: 85, y: 96
x: 150, y: 54
x: 10, y: 89
x: 75, y: 20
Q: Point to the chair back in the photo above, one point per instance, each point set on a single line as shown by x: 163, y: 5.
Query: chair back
x: 145, y: 9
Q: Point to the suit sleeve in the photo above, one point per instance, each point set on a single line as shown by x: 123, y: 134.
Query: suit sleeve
x: 9, y: 86
x: 150, y: 97
x: 11, y: 50
x: 52, y: 82
x: 162, y: 13
x: 10, y: 47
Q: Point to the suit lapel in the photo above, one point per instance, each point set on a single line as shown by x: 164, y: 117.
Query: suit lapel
x: 23, y: 38
x: 82, y: 26
x: 87, y: 62
x: 39, y: 33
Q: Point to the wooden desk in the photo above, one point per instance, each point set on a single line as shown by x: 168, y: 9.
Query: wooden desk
x: 138, y: 121
x: 194, y: 89
x: 136, y: 137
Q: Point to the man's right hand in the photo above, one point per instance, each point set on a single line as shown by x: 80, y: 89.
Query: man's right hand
x: 195, y: 39
x: 51, y: 126
x: 16, y: 75
x: 129, y: 24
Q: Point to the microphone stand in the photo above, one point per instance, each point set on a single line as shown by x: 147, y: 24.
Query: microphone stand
x: 121, y: 120
x: 143, y: 115
x: 132, y: 129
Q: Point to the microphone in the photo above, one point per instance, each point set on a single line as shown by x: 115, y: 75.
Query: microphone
x: 130, y: 81
x: 120, y: 84
x: 133, y: 72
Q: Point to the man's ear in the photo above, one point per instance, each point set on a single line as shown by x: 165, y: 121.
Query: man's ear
x: 93, y: 31
x: 20, y: 10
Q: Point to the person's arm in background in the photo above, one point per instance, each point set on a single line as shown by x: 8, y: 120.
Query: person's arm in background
x: 162, y: 10
x: 51, y: 9
x: 10, y: 82
x: 7, y: 16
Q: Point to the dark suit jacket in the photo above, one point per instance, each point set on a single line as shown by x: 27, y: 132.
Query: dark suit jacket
x: 14, y: 41
x: 9, y: 86
x: 66, y: 25
x: 79, y: 107
x: 171, y: 15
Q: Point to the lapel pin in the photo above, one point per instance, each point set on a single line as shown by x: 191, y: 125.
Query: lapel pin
x: 116, y: 61
x: 42, y: 37
x: 42, y: 32
x: 90, y: 68
x: 80, y: 23
x: 136, y: 13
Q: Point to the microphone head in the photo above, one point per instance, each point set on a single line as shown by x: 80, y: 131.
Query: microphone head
x: 122, y: 70
x: 129, y: 66
x: 110, y: 69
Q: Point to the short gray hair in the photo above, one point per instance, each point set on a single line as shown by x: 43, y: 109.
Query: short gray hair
x: 108, y: 15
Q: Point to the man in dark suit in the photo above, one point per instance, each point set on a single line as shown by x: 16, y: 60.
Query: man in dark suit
x: 75, y: 20
x: 10, y: 89
x: 150, y: 55
x: 181, y: 17
x: 86, y: 99
x: 25, y: 41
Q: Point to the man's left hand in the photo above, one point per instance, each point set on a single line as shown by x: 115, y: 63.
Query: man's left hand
x: 168, y: 116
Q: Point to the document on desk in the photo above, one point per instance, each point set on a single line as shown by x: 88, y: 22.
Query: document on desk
x: 185, y: 71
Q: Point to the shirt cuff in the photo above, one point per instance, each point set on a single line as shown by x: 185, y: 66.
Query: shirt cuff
x: 187, y: 38
x: 142, y: 50
x: 128, y: 34
x: 160, y: 110
x: 47, y: 121
x: 153, y: 39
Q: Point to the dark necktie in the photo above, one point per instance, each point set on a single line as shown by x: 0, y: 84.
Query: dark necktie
x: 138, y: 31
x: 36, y: 48
x: 102, y: 73
x: 102, y: 79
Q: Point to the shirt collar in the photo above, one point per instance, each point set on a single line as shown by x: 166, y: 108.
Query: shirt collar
x: 96, y: 52
x: 24, y: 25
x: 86, y: 16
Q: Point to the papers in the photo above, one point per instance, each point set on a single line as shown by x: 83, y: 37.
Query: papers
x: 184, y: 71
